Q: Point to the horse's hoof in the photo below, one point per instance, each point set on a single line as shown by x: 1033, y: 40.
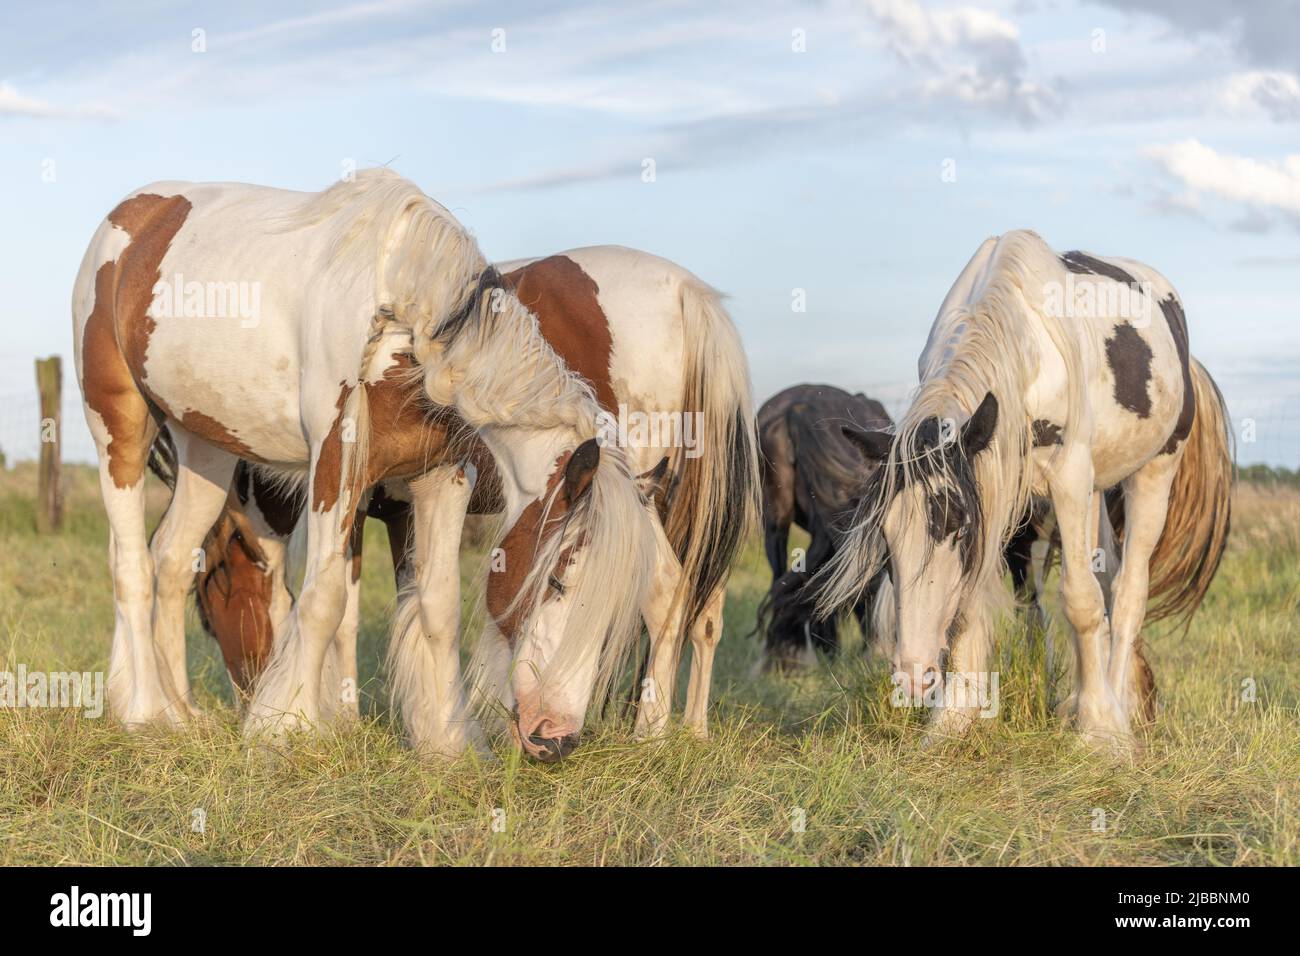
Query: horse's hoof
x: 269, y: 726
x: 1068, y: 708
x: 649, y: 728
x: 1115, y: 745
x: 1106, y: 730
x: 140, y: 716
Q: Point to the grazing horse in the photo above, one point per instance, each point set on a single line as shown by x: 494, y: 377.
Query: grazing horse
x: 810, y: 473
x: 1057, y: 377
x: 285, y: 328
x: 666, y: 364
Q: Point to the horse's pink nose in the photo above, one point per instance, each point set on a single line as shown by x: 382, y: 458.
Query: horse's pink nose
x: 915, y: 677
x: 552, y: 749
x: 548, y: 742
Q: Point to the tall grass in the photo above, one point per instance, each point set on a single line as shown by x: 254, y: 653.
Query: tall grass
x: 812, y: 769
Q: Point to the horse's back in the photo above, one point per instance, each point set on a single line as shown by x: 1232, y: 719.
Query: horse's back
x: 616, y: 316
x: 209, y: 294
x: 1126, y: 323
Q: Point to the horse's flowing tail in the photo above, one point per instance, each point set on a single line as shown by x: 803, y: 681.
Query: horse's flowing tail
x: 1196, y: 526
x: 716, y: 501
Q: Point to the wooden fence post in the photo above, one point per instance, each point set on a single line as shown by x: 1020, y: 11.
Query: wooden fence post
x: 49, y: 494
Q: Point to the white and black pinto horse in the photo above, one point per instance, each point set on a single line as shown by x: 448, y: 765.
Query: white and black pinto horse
x: 361, y: 289
x: 1050, y: 377
x: 664, y: 361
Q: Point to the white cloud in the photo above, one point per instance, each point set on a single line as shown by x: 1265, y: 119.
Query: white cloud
x: 1274, y: 92
x: 1260, y: 188
x: 967, y: 54
x: 13, y: 103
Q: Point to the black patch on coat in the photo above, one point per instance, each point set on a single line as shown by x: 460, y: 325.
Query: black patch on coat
x: 486, y: 284
x: 1046, y: 433
x: 242, y: 482
x: 383, y: 507
x: 1080, y: 263
x: 952, y: 499
x: 955, y: 629
x: 1177, y: 321
x: 1129, y: 358
x: 946, y: 516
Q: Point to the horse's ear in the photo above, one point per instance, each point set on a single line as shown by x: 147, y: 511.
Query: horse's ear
x: 874, y: 445
x: 978, y: 431
x: 653, y: 484
x: 580, y: 470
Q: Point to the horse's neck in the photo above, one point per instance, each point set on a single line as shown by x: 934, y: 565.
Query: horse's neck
x: 525, y: 458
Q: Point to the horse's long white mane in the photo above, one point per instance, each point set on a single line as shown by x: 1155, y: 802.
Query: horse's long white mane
x: 985, y: 344
x: 481, y: 351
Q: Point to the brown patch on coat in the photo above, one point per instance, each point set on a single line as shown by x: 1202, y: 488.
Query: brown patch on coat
x: 327, y: 470
x: 212, y: 431
x: 518, y: 547
x: 115, y: 338
x: 1046, y: 433
x: 408, y: 435
x: 487, y: 497
x: 1177, y: 321
x: 1129, y: 358
x: 152, y: 223
x: 564, y: 299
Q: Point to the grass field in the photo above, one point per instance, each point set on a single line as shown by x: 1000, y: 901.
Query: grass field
x: 1218, y: 782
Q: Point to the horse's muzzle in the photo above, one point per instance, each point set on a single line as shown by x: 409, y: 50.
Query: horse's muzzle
x: 552, y: 749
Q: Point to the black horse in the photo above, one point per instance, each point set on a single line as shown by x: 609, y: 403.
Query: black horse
x: 810, y: 474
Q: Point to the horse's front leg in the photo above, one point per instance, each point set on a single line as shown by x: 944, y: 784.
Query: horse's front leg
x: 339, y: 694
x: 663, y: 613
x: 287, y: 696
x: 424, y: 651
x: 1097, y: 711
x: 1146, y: 504
x: 706, y: 632
x: 203, y: 475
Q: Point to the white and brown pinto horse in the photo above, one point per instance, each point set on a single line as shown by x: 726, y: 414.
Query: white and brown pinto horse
x: 1045, y: 377
x: 360, y: 288
x: 659, y: 350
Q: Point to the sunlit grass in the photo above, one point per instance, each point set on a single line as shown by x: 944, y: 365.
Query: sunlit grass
x: 812, y: 769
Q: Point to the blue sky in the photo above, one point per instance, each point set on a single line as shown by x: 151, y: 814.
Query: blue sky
x: 1161, y: 130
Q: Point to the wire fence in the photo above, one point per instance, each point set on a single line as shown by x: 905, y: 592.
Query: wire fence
x: 20, y: 425
x: 1267, y: 430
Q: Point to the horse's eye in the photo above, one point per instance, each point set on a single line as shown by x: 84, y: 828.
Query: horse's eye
x: 556, y: 585
x: 960, y: 532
